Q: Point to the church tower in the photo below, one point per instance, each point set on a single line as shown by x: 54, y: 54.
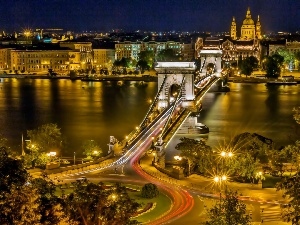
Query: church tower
x: 258, y: 29
x: 233, y: 29
x: 248, y: 27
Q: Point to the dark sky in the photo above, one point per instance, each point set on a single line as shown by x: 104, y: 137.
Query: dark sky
x: 158, y: 15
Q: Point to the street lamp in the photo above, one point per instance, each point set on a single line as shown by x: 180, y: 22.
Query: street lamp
x: 74, y: 157
x: 220, y: 180
x: 259, y: 175
x: 226, y: 154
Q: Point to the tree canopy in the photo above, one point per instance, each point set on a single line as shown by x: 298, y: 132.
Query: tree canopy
x: 248, y: 65
x: 228, y: 211
x: 167, y: 55
x: 45, y: 138
x: 148, y: 57
x: 92, y: 203
x: 91, y: 149
x: 273, y: 64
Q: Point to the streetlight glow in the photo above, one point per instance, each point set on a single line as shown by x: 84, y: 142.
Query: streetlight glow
x: 224, y: 178
x: 216, y: 179
x: 226, y: 154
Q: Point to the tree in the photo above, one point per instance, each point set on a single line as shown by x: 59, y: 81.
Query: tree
x: 167, y: 55
x: 45, y: 138
x: 143, y: 65
x: 228, y: 211
x: 198, y: 154
x: 51, y: 206
x: 91, y: 204
x: 290, y: 187
x: 296, y: 114
x: 91, y: 149
x: 273, y: 65
x: 291, y: 153
x: 147, y: 56
x: 149, y: 191
x: 12, y: 172
x: 256, y: 145
x: 20, y: 206
x: 288, y: 57
x: 248, y: 65
x: 297, y: 57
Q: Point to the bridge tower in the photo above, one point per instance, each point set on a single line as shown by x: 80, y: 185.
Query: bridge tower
x: 171, y: 75
x: 211, y: 57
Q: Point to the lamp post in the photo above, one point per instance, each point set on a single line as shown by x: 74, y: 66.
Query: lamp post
x: 74, y: 157
x: 259, y: 176
x: 220, y: 180
x: 154, y: 157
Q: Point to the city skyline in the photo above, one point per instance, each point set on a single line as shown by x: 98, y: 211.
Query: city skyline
x: 214, y: 16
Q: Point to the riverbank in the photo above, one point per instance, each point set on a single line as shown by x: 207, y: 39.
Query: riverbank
x: 243, y: 79
x: 94, y: 79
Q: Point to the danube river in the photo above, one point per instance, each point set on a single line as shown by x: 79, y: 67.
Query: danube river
x: 96, y: 110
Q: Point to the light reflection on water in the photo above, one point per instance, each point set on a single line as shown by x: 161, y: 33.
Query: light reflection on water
x: 83, y: 110
x: 96, y: 110
x: 252, y: 108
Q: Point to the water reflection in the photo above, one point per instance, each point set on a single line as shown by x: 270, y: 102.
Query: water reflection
x: 96, y: 110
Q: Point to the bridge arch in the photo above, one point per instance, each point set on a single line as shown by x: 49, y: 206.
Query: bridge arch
x: 171, y: 75
x: 211, y: 57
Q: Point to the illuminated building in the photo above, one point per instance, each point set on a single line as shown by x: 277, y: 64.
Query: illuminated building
x: 31, y: 61
x: 86, y: 52
x: 103, y: 58
x: 234, y: 48
x: 249, y: 30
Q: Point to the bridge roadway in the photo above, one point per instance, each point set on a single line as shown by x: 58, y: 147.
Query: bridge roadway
x: 183, y: 201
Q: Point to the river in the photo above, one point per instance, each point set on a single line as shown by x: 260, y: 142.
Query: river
x: 96, y: 110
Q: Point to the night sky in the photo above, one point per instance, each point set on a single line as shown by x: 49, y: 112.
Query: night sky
x: 154, y: 15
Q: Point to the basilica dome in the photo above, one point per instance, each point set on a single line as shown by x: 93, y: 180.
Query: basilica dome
x: 248, y: 21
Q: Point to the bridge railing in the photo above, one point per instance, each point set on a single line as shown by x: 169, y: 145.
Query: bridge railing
x: 174, y: 106
x: 154, y: 102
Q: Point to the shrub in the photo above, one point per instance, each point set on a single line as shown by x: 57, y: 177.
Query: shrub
x: 149, y: 191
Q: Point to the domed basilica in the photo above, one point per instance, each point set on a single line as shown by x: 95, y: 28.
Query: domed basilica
x: 249, y: 29
x: 233, y: 47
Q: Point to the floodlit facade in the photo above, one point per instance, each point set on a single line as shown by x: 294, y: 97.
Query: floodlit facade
x: 231, y: 49
x: 30, y: 61
x: 71, y: 56
x: 103, y: 58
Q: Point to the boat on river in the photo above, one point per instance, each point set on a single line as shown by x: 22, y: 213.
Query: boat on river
x: 281, y: 82
x: 286, y: 80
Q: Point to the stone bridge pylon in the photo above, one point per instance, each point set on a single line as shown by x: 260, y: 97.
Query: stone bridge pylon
x: 174, y: 77
x: 211, y: 59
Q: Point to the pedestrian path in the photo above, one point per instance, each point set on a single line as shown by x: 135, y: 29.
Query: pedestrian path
x: 270, y: 213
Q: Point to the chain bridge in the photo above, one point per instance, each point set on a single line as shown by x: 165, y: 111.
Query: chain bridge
x: 180, y: 90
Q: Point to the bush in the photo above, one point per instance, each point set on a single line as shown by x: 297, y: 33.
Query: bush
x: 149, y: 191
